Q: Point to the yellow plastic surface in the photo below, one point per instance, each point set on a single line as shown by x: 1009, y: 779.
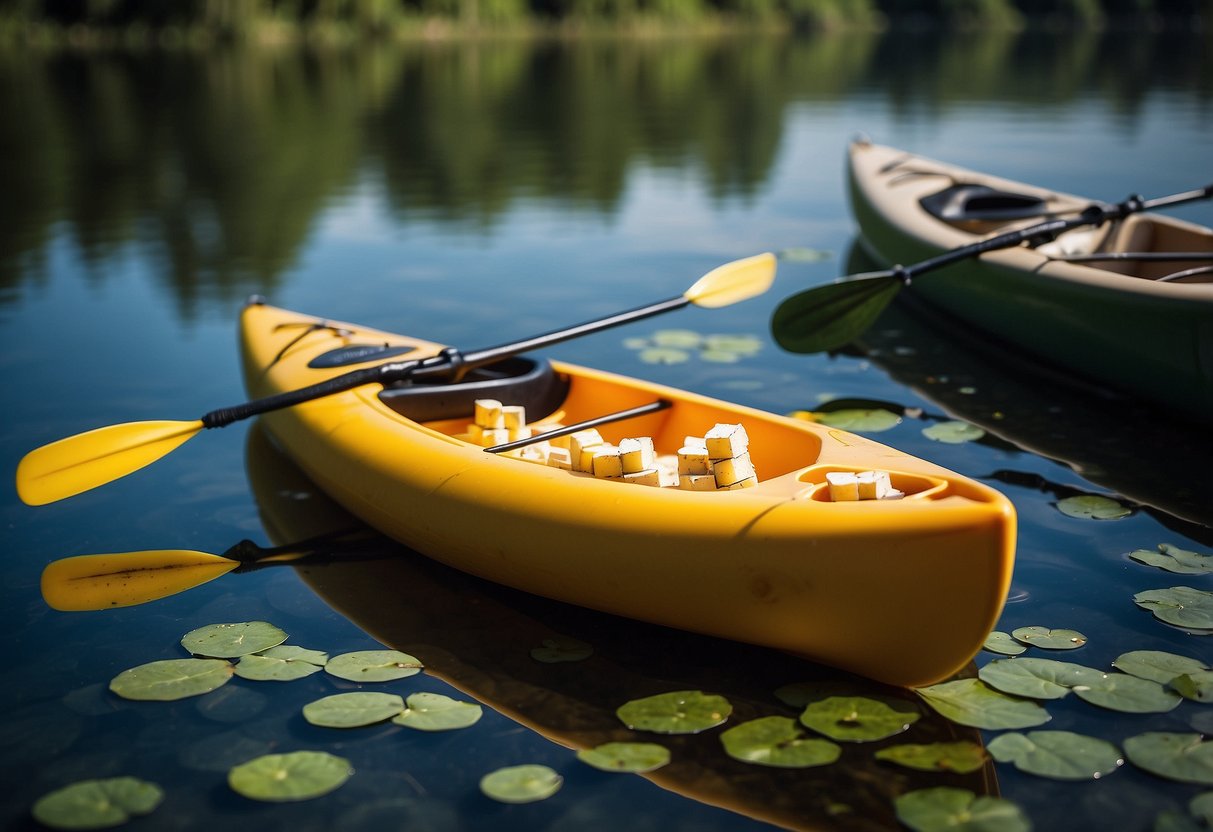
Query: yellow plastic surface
x: 901, y: 591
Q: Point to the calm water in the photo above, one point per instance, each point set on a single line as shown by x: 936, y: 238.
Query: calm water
x: 472, y: 194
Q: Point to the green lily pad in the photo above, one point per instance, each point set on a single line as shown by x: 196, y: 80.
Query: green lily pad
x: 521, y: 784
x: 801, y: 254
x: 1175, y: 559
x: 1037, y: 678
x: 679, y: 712
x: 562, y: 649
x: 685, y: 339
x: 958, y: 810
x: 165, y: 681
x: 1179, y: 605
x: 858, y: 420
x: 720, y: 356
x: 1000, y: 642
x: 291, y: 653
x: 435, y: 712
x: 373, y: 666
x: 962, y: 757
x: 231, y: 641
x: 1092, y: 507
x: 953, y: 432
x: 1060, y: 755
x: 1197, y: 686
x: 857, y: 718
x: 664, y: 355
x: 264, y: 667
x: 1127, y: 694
x: 625, y: 756
x: 971, y: 702
x: 740, y: 344
x: 1156, y: 665
x: 300, y: 775
x: 95, y: 804
x: 1201, y: 807
x: 779, y: 742
x: 353, y: 710
x: 1048, y: 639
x: 1187, y: 758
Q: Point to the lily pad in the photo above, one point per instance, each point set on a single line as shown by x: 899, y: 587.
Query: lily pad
x: 953, y: 432
x: 801, y: 254
x: 740, y: 344
x: 1127, y: 694
x: 1156, y: 665
x: 664, y: 355
x: 353, y: 710
x: 678, y: 338
x: 958, y: 810
x: 1000, y: 642
x: 679, y: 712
x: 1037, y: 678
x: 1179, y: 605
x: 435, y: 712
x: 971, y: 702
x: 1175, y: 559
x: 1048, y: 639
x: 264, y: 667
x: 1092, y: 507
x: 96, y: 804
x: 292, y: 653
x: 720, y: 356
x: 562, y: 649
x: 962, y: 757
x: 1201, y: 807
x: 779, y: 742
x: 1187, y: 758
x: 231, y: 641
x: 1197, y: 686
x: 857, y: 718
x: 373, y: 666
x: 626, y: 756
x: 858, y: 420
x: 1060, y: 755
x: 171, y: 679
x: 299, y: 775
x: 521, y: 784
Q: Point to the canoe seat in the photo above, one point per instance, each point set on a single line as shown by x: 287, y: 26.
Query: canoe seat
x: 532, y: 383
x: 968, y: 203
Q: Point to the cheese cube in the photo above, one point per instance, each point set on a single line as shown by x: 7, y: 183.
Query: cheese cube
x: 697, y: 482
x: 559, y: 458
x: 537, y: 452
x: 494, y: 436
x: 730, y: 471
x: 474, y: 432
x: 488, y: 413
x: 556, y: 441
x: 513, y: 416
x: 579, y: 443
x: 843, y: 486
x: 638, y: 454
x: 893, y: 494
x: 748, y: 482
x: 692, y: 460
x: 694, y: 442
x: 521, y: 432
x: 667, y: 477
x: 607, y: 462
x: 873, y: 485
x: 650, y: 476
x: 726, y: 441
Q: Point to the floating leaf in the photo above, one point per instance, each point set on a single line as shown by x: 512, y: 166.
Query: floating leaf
x: 740, y: 344
x: 1175, y: 559
x: 94, y: 804
x: 1092, y: 507
x: 1170, y: 820
x: 856, y: 420
x: 800, y: 694
x: 165, y: 681
x: 677, y: 338
x: 1179, y: 605
x: 373, y: 666
x: 1127, y: 694
x: 971, y: 702
x: 300, y: 775
x: 777, y: 741
x: 1048, y: 639
x: 1061, y: 755
x: 1156, y: 665
x: 857, y: 718
x: 720, y: 356
x: 353, y: 710
x: 961, y: 757
x: 800, y: 254
x: 958, y: 810
x: 259, y: 668
x: 521, y: 784
x: 1187, y: 758
x: 562, y: 649
x: 664, y: 355
x: 636, y: 343
x: 679, y: 712
x: 1000, y: 642
x: 1037, y: 678
x: 953, y: 432
x: 291, y: 653
x: 626, y: 756
x: 1201, y: 807
x: 230, y: 641
x: 1197, y: 686
x: 435, y: 712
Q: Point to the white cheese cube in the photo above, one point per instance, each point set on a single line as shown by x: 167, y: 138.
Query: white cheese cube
x: 893, y: 494
x: 559, y: 458
x: 697, y: 482
x: 694, y: 442
x: 547, y: 427
x: 521, y: 432
x: 494, y: 436
x: 607, y: 462
x: 726, y: 441
x: 474, y: 433
x: 843, y: 486
x: 667, y: 477
x: 692, y: 461
x: 650, y: 476
x: 488, y: 413
x: 579, y: 443
x: 729, y: 471
x: 873, y: 485
x: 537, y: 452
x: 638, y: 454
x: 748, y: 482
x: 513, y: 416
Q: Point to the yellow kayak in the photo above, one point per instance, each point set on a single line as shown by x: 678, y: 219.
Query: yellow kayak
x: 902, y: 590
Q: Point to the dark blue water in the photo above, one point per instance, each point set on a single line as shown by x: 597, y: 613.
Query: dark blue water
x: 474, y: 194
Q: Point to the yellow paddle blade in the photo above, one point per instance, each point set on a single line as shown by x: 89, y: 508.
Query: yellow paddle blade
x: 733, y: 282
x: 87, y: 460
x: 98, y: 582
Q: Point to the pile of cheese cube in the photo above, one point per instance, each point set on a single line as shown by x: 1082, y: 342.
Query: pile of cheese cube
x: 865, y: 485
x: 718, y: 461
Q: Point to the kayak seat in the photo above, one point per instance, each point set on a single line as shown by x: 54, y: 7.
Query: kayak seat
x: 980, y: 203
x: 519, y: 380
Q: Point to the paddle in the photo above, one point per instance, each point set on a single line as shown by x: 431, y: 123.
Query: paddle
x: 829, y: 317
x: 82, y: 462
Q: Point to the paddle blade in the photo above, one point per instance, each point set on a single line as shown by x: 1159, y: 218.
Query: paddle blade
x: 98, y: 582
x: 831, y: 316
x: 87, y: 460
x: 733, y: 282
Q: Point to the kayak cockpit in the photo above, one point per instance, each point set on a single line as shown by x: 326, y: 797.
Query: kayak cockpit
x: 1143, y: 246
